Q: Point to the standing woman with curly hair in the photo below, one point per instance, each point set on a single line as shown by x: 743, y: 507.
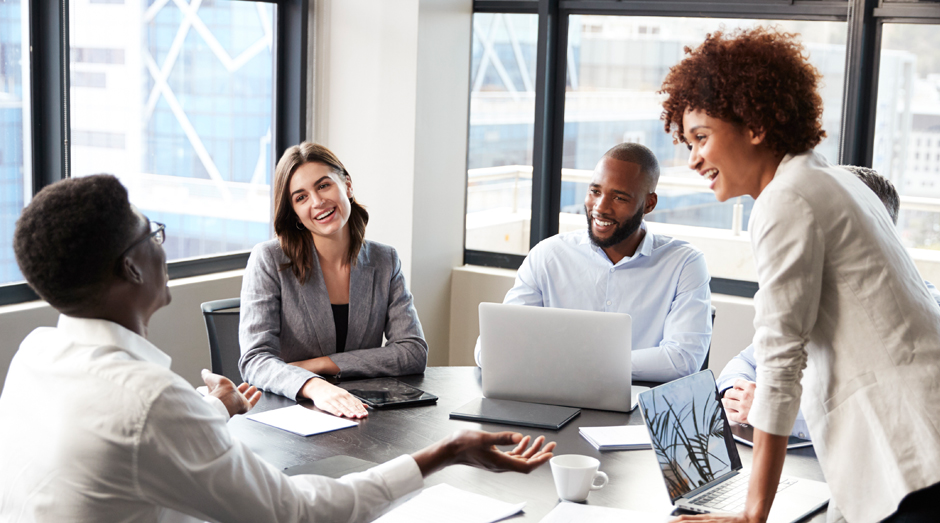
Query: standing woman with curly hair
x: 839, y: 296
x: 318, y: 300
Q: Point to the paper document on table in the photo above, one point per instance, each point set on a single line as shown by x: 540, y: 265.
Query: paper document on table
x: 565, y: 512
x: 446, y: 503
x: 618, y: 437
x: 301, y: 420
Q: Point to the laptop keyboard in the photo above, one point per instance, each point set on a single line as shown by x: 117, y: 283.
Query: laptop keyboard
x: 731, y: 495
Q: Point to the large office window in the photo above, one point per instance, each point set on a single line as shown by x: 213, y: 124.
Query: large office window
x: 15, y: 150
x: 907, y: 128
x: 616, y: 65
x: 600, y: 65
x: 502, y: 116
x: 189, y: 103
x: 176, y: 100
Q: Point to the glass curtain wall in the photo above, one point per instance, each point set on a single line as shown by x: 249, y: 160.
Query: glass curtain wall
x: 502, y: 119
x: 616, y: 65
x: 15, y: 147
x: 907, y: 128
x: 176, y: 100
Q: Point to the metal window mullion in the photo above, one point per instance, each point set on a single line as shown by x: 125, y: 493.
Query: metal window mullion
x: 549, y: 121
x: 861, y: 85
x: 919, y: 12
x: 49, y: 69
x: 833, y: 10
x: 290, y: 76
x: 503, y: 6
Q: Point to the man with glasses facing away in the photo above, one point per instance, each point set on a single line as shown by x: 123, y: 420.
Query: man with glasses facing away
x: 97, y: 428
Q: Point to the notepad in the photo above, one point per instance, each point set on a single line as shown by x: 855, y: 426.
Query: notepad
x: 618, y: 437
x: 301, y: 421
x: 446, y: 503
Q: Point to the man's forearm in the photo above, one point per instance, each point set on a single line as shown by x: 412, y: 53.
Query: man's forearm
x: 433, y: 458
x: 770, y: 451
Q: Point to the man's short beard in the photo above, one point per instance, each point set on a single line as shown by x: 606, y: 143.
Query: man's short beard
x: 621, y: 233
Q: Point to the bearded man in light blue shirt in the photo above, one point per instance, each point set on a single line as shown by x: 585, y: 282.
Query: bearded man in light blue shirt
x: 616, y: 265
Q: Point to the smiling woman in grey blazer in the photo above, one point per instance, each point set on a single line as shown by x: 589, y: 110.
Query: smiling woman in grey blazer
x: 318, y: 299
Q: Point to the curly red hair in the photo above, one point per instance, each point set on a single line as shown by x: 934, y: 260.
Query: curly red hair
x: 758, y: 78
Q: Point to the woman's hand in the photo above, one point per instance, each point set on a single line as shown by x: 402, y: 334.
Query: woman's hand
x: 478, y: 449
x: 333, y: 399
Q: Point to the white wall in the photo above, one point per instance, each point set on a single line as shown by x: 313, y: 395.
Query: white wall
x: 178, y: 329
x: 367, y: 107
x: 443, y: 94
x: 392, y: 102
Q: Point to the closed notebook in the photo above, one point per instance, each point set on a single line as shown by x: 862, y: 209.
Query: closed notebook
x: 508, y: 412
x: 618, y: 437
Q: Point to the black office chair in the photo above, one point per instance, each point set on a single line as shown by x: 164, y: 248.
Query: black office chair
x: 222, y: 326
x: 705, y: 363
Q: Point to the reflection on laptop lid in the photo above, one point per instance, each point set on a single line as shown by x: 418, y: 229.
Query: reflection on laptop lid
x: 557, y: 356
x: 699, y: 459
x: 692, y: 440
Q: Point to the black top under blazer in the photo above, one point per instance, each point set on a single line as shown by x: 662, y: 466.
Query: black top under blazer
x: 283, y: 321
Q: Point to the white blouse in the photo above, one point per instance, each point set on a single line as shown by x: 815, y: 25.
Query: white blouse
x: 841, y: 298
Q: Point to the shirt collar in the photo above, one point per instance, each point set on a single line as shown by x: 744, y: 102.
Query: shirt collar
x: 102, y: 332
x: 645, y: 247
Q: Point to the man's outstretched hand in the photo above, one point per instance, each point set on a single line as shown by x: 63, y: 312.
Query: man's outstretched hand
x: 237, y: 400
x: 479, y: 449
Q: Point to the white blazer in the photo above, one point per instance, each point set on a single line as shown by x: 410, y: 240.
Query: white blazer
x: 840, y: 297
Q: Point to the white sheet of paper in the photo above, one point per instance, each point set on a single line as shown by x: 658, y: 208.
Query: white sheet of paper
x: 565, y: 512
x: 619, y: 435
x: 446, y: 503
x: 301, y: 420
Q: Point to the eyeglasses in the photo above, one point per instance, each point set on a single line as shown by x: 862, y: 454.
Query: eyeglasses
x: 157, y: 234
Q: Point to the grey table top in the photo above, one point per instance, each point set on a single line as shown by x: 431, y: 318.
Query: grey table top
x: 635, y: 480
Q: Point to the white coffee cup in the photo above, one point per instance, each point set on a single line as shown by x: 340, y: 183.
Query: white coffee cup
x: 576, y: 476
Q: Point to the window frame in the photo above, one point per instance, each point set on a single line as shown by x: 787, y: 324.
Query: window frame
x: 49, y: 90
x: 860, y: 91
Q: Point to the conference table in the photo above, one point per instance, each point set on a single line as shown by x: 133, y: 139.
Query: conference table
x: 635, y: 480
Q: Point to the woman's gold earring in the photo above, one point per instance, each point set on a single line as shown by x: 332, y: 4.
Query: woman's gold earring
x: 300, y: 226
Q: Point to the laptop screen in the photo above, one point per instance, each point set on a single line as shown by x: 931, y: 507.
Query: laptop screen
x: 690, y: 434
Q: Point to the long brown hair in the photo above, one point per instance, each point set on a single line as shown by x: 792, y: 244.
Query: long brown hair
x: 296, y: 241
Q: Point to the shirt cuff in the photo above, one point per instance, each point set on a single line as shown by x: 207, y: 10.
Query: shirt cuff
x: 401, y: 475
x: 773, y: 417
x: 217, y: 404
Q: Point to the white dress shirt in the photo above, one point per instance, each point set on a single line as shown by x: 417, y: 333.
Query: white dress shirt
x: 663, y: 287
x: 744, y: 366
x: 96, y: 428
x: 840, y: 296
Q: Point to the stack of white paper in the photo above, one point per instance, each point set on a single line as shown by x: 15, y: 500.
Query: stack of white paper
x: 619, y: 437
x: 301, y: 420
x: 446, y: 503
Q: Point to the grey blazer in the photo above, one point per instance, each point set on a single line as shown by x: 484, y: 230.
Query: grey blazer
x: 283, y: 321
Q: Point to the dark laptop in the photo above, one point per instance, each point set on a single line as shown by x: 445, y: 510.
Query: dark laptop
x: 699, y: 460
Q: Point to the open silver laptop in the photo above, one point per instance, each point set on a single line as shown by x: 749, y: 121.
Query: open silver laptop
x: 557, y: 356
x: 699, y: 460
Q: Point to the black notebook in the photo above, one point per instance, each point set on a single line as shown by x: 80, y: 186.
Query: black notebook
x: 521, y: 413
